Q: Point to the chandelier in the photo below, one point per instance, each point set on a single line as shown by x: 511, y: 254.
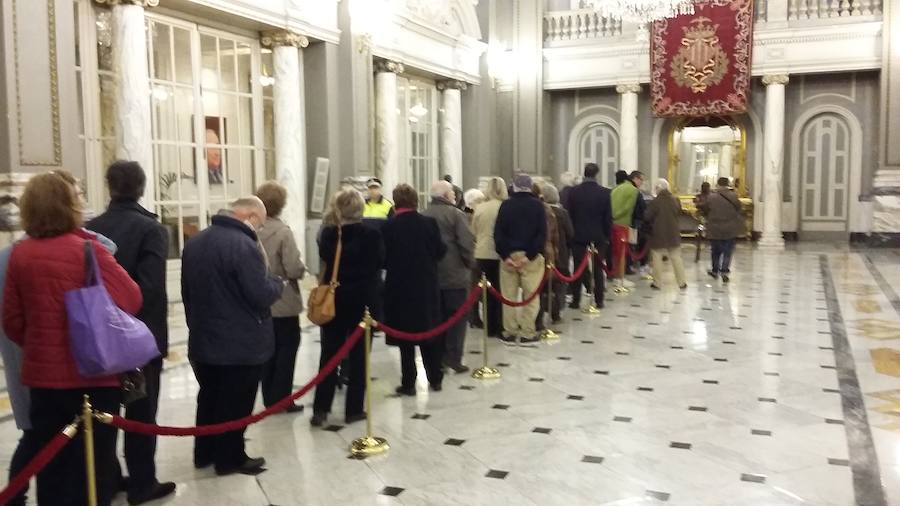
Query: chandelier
x: 640, y: 11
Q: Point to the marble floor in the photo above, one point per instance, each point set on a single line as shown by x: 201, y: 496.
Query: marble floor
x: 780, y: 388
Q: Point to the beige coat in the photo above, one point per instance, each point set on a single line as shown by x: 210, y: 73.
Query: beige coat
x: 284, y: 261
x: 483, y: 227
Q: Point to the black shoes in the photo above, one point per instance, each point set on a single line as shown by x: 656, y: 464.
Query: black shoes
x: 573, y: 305
x: 459, y: 368
x: 713, y: 274
x: 683, y: 287
x: 725, y: 278
x: 318, y: 419
x: 250, y: 467
x: 355, y: 418
x: 655, y: 286
x: 508, y: 340
x: 408, y: 391
x: 157, y: 491
x: 294, y: 408
x: 529, y: 340
x: 435, y: 387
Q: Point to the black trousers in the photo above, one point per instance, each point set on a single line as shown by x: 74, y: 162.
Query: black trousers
x: 140, y: 450
x: 278, y: 372
x: 579, y: 250
x: 334, y: 334
x: 432, y: 352
x: 559, y: 290
x: 721, y: 252
x: 62, y: 482
x: 454, y: 340
x: 227, y: 392
x: 491, y: 269
x: 27, y: 448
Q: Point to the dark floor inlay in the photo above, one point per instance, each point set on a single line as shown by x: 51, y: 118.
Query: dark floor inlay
x: 680, y: 446
x: 644, y: 389
x: 839, y: 462
x: 825, y: 366
x: 625, y: 419
x: 493, y: 473
x: 454, y: 442
x: 776, y: 353
x: 759, y: 432
x: 711, y: 382
x: 605, y: 327
x: 640, y: 337
x: 833, y: 421
x: 659, y: 496
x: 826, y: 348
x: 542, y: 430
x: 391, y: 491
x: 676, y: 347
x: 577, y: 319
x: 772, y: 373
x: 766, y: 399
x: 575, y: 397
x: 777, y: 337
x: 420, y: 416
x: 623, y: 353
x: 653, y: 324
x: 536, y: 380
x: 735, y: 328
x: 475, y: 352
x: 502, y: 364
x: 591, y: 459
x: 333, y: 428
x: 587, y: 342
x: 467, y: 387
x: 831, y: 390
x: 500, y: 406
x: 663, y: 366
x: 602, y: 373
x: 728, y: 342
x: 697, y: 408
x: 753, y: 478
x: 721, y: 360
x: 564, y: 358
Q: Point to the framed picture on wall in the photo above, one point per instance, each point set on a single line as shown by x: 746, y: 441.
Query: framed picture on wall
x: 215, y: 136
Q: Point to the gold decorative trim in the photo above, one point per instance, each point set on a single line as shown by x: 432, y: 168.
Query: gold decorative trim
x: 54, y: 86
x: 272, y: 38
x: 388, y: 66
x: 628, y: 88
x: 775, y: 79
x: 452, y: 84
x: 140, y: 3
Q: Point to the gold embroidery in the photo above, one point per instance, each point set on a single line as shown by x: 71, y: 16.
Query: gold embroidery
x: 701, y: 62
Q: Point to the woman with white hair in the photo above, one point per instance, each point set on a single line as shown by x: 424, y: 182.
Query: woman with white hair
x: 485, y: 252
x: 665, y: 233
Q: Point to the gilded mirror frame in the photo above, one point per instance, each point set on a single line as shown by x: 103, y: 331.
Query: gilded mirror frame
x: 740, y: 156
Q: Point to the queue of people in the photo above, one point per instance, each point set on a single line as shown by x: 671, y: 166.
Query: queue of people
x: 412, y: 267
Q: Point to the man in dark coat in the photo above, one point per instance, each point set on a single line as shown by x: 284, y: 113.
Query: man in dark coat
x: 590, y: 208
x: 228, y: 293
x: 412, y: 300
x: 142, y: 249
x: 724, y: 224
x: 662, y: 217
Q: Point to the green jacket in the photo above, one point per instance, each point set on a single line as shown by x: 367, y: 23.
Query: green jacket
x: 624, y: 198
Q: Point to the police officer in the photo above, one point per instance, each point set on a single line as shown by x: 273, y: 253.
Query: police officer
x: 377, y: 207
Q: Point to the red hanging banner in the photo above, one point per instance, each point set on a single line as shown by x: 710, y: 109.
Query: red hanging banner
x: 700, y: 63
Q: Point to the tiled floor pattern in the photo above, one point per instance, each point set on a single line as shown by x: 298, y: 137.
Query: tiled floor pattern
x: 721, y: 395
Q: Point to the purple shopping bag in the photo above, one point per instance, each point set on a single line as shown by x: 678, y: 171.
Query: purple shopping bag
x: 104, y: 339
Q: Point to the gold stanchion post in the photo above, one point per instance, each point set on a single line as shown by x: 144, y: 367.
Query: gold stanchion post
x: 87, y: 418
x: 485, y: 371
x: 368, y: 445
x: 549, y: 334
x: 592, y: 308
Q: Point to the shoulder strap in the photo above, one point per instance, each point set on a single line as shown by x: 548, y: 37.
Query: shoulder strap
x: 337, y: 257
x: 90, y: 265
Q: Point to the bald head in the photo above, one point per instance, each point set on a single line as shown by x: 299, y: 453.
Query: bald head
x: 443, y: 190
x: 250, y: 210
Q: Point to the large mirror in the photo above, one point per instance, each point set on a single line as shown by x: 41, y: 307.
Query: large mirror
x: 702, y: 151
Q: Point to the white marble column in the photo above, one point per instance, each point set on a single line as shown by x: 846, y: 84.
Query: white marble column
x: 387, y: 148
x: 451, y: 129
x: 628, y: 136
x: 773, y: 161
x: 290, y: 125
x: 132, y: 95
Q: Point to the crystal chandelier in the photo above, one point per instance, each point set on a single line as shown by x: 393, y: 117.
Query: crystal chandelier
x: 640, y: 11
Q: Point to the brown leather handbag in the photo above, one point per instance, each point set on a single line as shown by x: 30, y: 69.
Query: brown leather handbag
x: 320, y: 309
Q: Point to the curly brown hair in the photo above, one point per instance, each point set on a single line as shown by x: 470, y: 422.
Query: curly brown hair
x: 49, y: 207
x: 405, y: 196
x: 274, y: 197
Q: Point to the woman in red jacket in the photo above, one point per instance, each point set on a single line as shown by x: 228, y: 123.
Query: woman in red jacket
x: 41, y: 270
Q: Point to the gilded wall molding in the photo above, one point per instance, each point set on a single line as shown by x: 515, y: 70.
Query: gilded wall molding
x: 140, y: 3
x: 452, y: 84
x: 272, y: 38
x: 54, y: 87
x: 388, y: 66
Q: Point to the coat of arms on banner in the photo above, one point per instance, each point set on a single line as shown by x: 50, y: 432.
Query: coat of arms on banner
x: 700, y: 63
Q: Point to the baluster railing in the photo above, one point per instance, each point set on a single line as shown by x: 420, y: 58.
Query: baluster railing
x: 579, y: 24
x: 761, y: 13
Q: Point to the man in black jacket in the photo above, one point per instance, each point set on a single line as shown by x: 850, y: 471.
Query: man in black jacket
x: 227, y: 293
x: 590, y: 208
x: 519, y: 236
x: 142, y: 249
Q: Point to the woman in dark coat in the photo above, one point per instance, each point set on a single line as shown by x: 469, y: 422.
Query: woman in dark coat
x: 413, y: 248
x: 662, y: 217
x: 361, y: 260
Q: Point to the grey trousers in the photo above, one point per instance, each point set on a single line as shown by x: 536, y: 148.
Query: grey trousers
x: 455, y: 337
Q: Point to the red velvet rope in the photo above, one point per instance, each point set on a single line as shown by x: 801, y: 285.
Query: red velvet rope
x: 511, y: 303
x: 220, y: 428
x: 440, y: 329
x: 578, y: 272
x: 38, y: 463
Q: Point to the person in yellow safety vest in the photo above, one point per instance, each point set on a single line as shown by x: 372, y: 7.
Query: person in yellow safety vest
x: 377, y: 207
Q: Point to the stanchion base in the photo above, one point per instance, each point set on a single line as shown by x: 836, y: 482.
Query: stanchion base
x: 484, y: 373
x: 592, y: 309
x: 621, y: 290
x: 367, y: 446
x: 549, y: 335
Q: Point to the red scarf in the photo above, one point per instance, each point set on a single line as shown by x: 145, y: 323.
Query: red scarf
x: 401, y: 210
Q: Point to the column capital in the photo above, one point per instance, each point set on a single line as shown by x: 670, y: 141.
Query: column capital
x: 781, y: 79
x: 628, y: 88
x: 273, y: 38
x: 391, y: 66
x: 140, y: 3
x: 452, y: 84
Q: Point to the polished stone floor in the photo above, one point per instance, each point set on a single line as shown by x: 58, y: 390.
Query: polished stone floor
x: 782, y: 388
